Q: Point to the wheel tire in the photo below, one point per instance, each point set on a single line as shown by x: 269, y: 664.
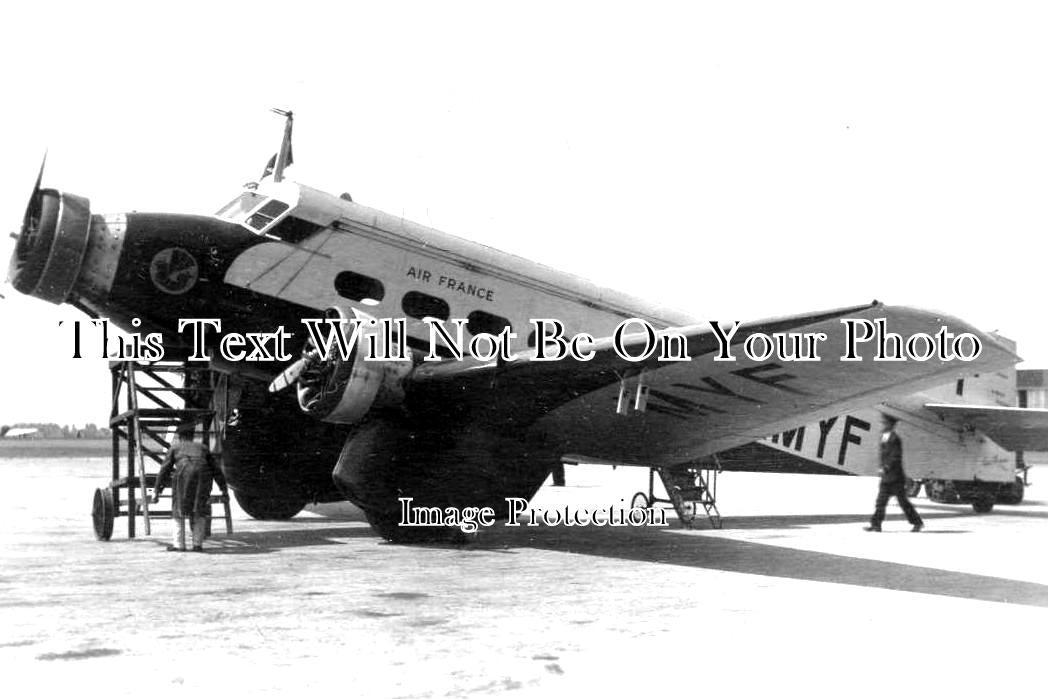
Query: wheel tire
x: 103, y: 512
x: 982, y: 505
x: 387, y: 526
x: 640, y: 500
x: 269, y: 506
x: 912, y: 488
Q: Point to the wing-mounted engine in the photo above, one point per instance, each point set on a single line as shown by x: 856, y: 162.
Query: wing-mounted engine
x: 339, y: 383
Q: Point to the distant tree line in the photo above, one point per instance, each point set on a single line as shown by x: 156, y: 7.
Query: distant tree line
x: 49, y: 430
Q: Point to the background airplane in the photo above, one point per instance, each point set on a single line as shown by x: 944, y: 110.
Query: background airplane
x: 964, y: 441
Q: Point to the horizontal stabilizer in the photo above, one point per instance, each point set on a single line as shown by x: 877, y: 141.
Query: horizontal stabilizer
x: 1011, y: 428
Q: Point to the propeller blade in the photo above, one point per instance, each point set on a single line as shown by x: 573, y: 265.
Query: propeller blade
x: 289, y: 376
x: 32, y: 209
x: 40, y: 175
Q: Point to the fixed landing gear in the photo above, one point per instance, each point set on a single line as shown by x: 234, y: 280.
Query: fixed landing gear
x: 275, y: 507
x: 388, y: 527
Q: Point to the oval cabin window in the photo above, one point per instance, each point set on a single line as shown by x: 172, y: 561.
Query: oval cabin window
x: 480, y: 322
x: 422, y: 306
x: 358, y: 287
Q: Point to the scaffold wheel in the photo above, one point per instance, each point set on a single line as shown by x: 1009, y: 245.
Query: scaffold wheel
x: 103, y: 511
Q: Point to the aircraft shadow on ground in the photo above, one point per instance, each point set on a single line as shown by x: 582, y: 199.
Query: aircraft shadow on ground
x: 259, y: 542
x: 714, y: 552
x: 966, y: 510
x: 699, y: 549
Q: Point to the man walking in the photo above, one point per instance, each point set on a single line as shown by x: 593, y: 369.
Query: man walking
x: 893, y: 480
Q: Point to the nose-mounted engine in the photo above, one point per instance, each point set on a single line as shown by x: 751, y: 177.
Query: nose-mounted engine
x: 51, y: 246
x: 343, y: 388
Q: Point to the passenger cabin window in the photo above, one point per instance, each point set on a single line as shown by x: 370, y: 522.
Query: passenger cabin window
x: 480, y: 322
x: 422, y: 306
x: 358, y: 287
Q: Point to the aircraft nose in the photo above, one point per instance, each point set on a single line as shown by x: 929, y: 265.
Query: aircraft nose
x: 50, y: 248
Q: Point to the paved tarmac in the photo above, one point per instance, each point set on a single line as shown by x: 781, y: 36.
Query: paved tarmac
x: 790, y: 598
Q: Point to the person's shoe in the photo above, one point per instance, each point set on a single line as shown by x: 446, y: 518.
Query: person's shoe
x: 173, y: 548
x: 872, y: 528
x: 198, y: 549
x: 919, y: 526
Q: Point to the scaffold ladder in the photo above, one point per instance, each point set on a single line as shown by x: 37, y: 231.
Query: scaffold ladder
x: 178, y: 395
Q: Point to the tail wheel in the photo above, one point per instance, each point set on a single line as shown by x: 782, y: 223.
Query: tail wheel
x: 640, y: 501
x: 685, y: 508
x: 103, y: 511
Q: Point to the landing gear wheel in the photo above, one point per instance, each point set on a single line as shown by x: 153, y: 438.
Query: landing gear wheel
x: 269, y: 506
x: 103, y: 511
x: 640, y: 501
x: 912, y: 488
x: 982, y: 505
x: 387, y: 526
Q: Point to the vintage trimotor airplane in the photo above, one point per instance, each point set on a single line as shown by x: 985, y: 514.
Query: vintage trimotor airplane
x: 454, y: 432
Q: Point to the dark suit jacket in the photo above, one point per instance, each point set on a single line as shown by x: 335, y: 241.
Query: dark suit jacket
x: 891, y: 459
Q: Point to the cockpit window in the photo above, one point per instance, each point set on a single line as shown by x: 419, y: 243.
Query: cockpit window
x: 266, y: 213
x: 256, y: 211
x: 241, y: 205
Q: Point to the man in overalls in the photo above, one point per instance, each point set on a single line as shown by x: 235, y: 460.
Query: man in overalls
x: 190, y: 469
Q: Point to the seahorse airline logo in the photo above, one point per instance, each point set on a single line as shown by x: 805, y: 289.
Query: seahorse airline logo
x: 174, y: 271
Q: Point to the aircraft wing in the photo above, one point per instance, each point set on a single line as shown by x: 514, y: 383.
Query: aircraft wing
x: 689, y: 409
x: 1012, y: 428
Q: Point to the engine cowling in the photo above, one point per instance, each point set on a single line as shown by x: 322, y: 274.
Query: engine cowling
x: 51, y: 247
x: 341, y: 389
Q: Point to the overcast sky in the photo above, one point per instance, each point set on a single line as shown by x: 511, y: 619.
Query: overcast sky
x: 735, y: 160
